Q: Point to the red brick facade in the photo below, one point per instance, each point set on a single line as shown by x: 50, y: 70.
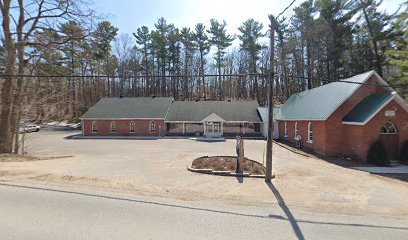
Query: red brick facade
x: 333, y: 138
x: 123, y: 128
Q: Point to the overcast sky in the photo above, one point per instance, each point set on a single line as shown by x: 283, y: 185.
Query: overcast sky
x: 128, y: 15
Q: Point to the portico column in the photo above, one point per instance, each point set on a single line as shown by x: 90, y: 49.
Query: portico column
x: 205, y: 127
x: 184, y: 128
x: 222, y: 128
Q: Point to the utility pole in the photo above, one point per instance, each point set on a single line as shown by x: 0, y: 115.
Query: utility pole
x: 268, y: 173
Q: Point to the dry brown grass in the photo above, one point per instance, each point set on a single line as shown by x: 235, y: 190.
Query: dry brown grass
x: 227, y: 163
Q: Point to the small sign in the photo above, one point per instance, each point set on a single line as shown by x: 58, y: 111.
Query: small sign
x: 390, y: 113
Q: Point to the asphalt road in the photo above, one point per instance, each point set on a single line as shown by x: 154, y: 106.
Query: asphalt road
x: 40, y: 213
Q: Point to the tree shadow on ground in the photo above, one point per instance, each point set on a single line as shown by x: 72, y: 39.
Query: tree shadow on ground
x: 286, y: 210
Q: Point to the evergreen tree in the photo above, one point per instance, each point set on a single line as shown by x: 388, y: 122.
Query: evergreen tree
x: 251, y: 31
x: 203, y: 45
x: 221, y: 41
x: 143, y: 39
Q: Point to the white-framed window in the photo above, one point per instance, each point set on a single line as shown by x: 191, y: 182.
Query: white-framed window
x: 388, y: 128
x: 113, y: 127
x: 286, y: 129
x: 310, y: 132
x: 152, y: 127
x: 296, y: 129
x: 94, y: 127
x: 132, y: 127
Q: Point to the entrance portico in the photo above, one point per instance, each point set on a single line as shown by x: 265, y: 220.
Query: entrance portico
x: 213, y: 126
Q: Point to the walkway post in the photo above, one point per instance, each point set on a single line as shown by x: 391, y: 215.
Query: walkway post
x: 268, y: 173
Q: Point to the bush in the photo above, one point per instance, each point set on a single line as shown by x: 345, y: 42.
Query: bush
x: 377, y: 154
x: 404, y: 153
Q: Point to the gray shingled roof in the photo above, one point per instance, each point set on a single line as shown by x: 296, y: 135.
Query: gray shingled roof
x: 241, y: 111
x: 319, y: 103
x: 367, y: 107
x: 129, y: 108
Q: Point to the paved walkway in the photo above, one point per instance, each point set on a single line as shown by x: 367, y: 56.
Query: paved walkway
x: 399, y: 169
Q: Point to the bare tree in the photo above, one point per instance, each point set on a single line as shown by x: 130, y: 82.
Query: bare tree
x: 20, y: 21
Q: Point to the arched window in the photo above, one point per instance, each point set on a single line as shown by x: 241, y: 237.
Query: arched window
x: 94, y: 127
x: 309, y: 132
x: 388, y: 128
x: 296, y: 130
x: 113, y: 127
x: 152, y: 127
x: 286, y: 129
x: 132, y: 127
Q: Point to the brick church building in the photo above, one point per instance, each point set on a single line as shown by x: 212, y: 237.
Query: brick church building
x: 162, y: 116
x: 344, y: 119
x: 337, y: 119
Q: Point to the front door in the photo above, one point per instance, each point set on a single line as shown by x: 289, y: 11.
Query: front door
x: 389, y: 137
x: 390, y: 142
x: 213, y: 130
x: 216, y: 128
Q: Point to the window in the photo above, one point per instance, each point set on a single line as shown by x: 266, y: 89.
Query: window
x: 152, y: 127
x: 132, y: 127
x: 296, y: 130
x: 286, y: 129
x: 388, y: 128
x: 309, y: 133
x: 94, y: 127
x: 113, y: 127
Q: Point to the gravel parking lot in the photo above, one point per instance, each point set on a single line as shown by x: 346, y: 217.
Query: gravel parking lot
x: 159, y: 168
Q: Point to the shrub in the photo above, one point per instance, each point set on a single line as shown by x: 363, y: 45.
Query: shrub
x: 377, y: 154
x: 404, y: 153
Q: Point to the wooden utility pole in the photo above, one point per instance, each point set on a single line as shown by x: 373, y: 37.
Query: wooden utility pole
x: 268, y: 173
x: 241, y: 156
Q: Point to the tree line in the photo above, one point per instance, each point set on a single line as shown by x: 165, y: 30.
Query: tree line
x: 72, y: 57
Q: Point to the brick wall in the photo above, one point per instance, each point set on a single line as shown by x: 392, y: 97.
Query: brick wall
x: 122, y: 128
x: 336, y: 143
x: 318, y: 144
x: 359, y: 138
x: 332, y: 138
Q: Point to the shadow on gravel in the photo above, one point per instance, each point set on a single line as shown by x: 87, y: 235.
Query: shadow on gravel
x: 289, y: 215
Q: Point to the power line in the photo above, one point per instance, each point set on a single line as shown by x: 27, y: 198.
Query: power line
x: 403, y: 86
x: 284, y: 10
x: 134, y: 76
x: 359, y: 83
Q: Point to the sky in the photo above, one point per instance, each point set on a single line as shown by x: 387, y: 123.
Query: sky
x: 128, y: 15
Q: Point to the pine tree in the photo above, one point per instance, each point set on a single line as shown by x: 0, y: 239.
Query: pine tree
x: 143, y: 39
x: 251, y: 31
x: 221, y: 41
x: 201, y: 40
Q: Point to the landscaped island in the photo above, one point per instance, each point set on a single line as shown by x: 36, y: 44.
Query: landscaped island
x: 227, y: 164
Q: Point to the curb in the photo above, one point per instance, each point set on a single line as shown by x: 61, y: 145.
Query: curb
x: 227, y: 173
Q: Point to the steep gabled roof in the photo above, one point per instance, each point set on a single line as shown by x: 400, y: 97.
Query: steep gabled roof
x: 234, y: 111
x: 319, y: 103
x: 213, y: 118
x: 129, y: 108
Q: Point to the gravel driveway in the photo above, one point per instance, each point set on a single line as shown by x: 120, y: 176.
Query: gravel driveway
x: 158, y: 168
